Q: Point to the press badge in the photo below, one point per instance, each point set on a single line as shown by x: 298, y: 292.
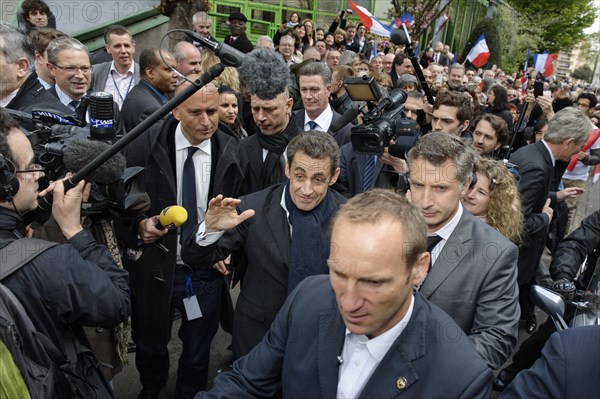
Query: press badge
x: 191, y: 305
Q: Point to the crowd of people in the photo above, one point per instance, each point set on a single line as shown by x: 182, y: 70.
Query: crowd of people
x: 431, y: 251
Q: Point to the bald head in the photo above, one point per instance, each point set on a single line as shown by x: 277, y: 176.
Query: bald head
x: 187, y: 58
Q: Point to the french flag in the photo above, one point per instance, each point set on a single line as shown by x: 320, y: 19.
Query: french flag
x: 372, y: 24
x: 594, y: 135
x: 480, y: 53
x: 407, y: 19
x: 543, y: 63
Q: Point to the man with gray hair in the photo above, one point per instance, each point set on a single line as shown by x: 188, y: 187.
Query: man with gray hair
x: 19, y: 83
x: 187, y: 56
x: 455, y: 76
x: 567, y: 131
x: 265, y: 42
x: 314, y: 81
x: 472, y: 274
x: 201, y: 24
x: 265, y: 75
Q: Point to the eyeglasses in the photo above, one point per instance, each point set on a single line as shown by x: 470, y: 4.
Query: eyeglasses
x: 73, y: 69
x: 35, y: 168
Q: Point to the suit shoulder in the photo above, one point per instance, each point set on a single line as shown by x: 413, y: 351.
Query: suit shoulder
x: 260, y: 198
x: 482, y: 229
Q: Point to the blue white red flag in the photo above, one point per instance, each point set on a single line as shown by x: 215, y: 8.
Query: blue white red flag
x: 372, y: 24
x: 480, y: 53
x: 543, y: 63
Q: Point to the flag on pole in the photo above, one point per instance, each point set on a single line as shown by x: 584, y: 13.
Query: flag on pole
x: 594, y: 135
x: 372, y: 24
x: 407, y: 19
x: 543, y: 63
x: 525, y: 77
x: 441, y: 22
x: 480, y: 53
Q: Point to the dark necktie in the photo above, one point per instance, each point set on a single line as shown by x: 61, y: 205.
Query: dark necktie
x: 231, y: 39
x: 432, y: 241
x: 368, y: 172
x: 74, y: 104
x: 188, y: 194
x: 312, y: 125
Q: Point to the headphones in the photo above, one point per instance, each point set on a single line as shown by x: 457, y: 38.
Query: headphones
x: 9, y: 184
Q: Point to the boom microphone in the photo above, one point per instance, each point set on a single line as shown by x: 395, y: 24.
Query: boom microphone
x: 343, y: 120
x: 227, y: 54
x: 171, y: 217
x: 78, y: 153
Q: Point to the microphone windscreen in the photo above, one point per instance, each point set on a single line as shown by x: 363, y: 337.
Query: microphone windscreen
x: 398, y: 37
x: 172, y: 216
x: 79, y: 152
x: 343, y: 120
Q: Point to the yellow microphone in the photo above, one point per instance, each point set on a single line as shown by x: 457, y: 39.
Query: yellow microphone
x: 171, y: 217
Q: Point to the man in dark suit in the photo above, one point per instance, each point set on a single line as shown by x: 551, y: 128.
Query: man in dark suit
x: 314, y: 81
x: 187, y: 161
x: 567, y: 132
x: 20, y: 88
x: 157, y: 81
x: 361, y: 332
x: 118, y: 76
x: 265, y: 76
x: 568, y: 368
x: 473, y: 274
x: 274, y: 256
x: 438, y: 55
x: 237, y: 39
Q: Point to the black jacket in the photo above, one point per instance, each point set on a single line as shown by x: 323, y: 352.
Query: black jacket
x: 152, y: 275
x: 67, y: 287
x: 32, y: 93
x: 242, y: 43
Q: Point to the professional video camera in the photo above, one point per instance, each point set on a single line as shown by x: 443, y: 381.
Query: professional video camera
x: 383, y: 122
x: 66, y: 143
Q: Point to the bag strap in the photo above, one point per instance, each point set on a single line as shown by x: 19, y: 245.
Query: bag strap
x: 20, y: 252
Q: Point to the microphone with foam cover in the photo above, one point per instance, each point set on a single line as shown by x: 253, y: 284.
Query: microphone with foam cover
x: 78, y: 153
x: 346, y: 118
x: 171, y: 217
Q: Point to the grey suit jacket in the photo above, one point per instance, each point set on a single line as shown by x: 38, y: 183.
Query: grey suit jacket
x: 474, y: 279
x: 100, y: 75
x: 298, y: 357
x: 342, y: 136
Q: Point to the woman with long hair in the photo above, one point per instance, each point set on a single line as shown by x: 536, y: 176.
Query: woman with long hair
x: 228, y: 112
x: 495, y: 198
x: 497, y: 101
x: 308, y: 39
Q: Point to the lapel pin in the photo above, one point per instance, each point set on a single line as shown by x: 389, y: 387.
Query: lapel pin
x: 401, y: 383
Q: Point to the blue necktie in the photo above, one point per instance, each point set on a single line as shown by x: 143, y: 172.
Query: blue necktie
x: 188, y: 194
x: 368, y: 172
x: 312, y: 125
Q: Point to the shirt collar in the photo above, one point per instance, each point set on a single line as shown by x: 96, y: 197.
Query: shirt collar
x: 380, y: 345
x: 446, y: 231
x: 63, y: 97
x: 550, y: 151
x: 129, y: 71
x: 323, y: 120
x: 181, y: 143
x: 6, y: 100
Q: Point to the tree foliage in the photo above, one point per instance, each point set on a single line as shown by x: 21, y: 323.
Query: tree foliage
x: 584, y: 73
x: 492, y: 38
x: 424, y: 12
x: 563, y: 21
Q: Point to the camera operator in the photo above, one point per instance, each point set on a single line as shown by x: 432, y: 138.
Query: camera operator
x: 71, y: 285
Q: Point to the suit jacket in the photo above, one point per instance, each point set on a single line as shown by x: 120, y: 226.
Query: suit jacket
x: 474, y: 279
x: 263, y: 242
x: 342, y: 136
x: 152, y: 275
x: 101, y: 71
x: 536, y: 170
x: 352, y: 167
x: 568, y: 368
x: 298, y: 355
x: 139, y: 104
x: 242, y: 43
x: 443, y: 61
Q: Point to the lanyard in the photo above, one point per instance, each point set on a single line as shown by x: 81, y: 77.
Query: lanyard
x: 117, y: 87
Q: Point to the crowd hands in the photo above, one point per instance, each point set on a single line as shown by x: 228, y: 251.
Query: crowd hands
x: 266, y: 192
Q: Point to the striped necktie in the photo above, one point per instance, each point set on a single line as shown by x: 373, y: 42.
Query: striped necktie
x: 368, y: 172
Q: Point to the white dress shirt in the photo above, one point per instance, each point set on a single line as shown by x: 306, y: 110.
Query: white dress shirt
x: 119, y: 85
x: 361, y: 356
x: 323, y: 121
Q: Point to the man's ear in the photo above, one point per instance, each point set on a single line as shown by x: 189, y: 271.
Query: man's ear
x: 419, y: 270
x: 287, y: 169
x: 465, y: 125
x: 23, y: 67
x: 334, y: 177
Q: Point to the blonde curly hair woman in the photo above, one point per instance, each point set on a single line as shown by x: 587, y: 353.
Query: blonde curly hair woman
x: 495, y: 198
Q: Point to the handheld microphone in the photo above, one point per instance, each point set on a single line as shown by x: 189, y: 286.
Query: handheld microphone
x: 343, y: 120
x: 227, y: 54
x: 171, y: 217
x: 102, y: 116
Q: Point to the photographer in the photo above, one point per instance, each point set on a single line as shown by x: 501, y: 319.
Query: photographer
x: 70, y: 285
